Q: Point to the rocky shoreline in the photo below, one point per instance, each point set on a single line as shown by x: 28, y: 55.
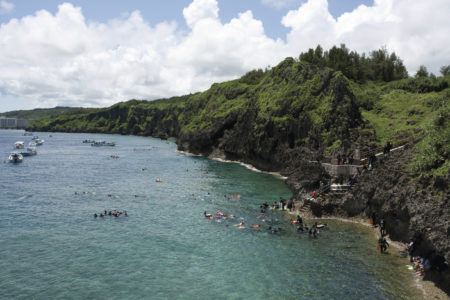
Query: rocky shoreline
x: 412, y: 207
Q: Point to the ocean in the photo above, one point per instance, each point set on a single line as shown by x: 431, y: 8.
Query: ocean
x: 52, y: 246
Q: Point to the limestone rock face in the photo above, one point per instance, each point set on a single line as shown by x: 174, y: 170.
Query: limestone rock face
x: 412, y: 207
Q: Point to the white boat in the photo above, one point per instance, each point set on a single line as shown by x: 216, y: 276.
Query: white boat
x: 103, y: 143
x: 28, y: 134
x: 29, y: 152
x: 39, y: 142
x: 19, y: 145
x: 32, y: 144
x: 15, y: 158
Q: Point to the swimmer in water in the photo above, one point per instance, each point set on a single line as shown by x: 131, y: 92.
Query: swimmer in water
x: 272, y: 230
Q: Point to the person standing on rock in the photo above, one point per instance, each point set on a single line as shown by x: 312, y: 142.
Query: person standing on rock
x: 290, y: 204
x: 374, y: 223
x: 282, y: 203
x: 382, y: 226
x: 383, y: 244
x: 411, y: 247
x: 299, y: 220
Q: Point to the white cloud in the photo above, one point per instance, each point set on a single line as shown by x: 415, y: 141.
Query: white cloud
x: 62, y: 59
x: 414, y: 29
x: 6, y: 7
x: 201, y: 10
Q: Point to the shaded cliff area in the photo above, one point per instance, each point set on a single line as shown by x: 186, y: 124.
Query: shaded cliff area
x: 291, y: 117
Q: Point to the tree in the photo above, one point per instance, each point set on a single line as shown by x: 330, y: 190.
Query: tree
x: 445, y: 70
x: 422, y: 72
x: 380, y: 65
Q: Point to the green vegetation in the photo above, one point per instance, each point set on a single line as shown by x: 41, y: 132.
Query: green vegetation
x: 41, y: 113
x: 395, y: 112
x: 434, y: 148
x: 412, y: 109
x: 379, y: 65
x: 326, y: 101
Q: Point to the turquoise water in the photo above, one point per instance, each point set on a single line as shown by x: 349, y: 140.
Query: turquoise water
x: 51, y: 246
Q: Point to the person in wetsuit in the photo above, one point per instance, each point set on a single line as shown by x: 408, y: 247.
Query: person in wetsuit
x: 299, y: 221
x: 290, y: 204
x: 383, y: 244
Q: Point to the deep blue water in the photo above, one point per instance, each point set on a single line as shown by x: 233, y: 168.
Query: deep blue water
x: 51, y: 246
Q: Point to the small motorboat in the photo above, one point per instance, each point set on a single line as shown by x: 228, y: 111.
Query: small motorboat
x: 88, y: 141
x: 103, y: 143
x: 27, y: 134
x: 39, y: 142
x: 29, y: 152
x: 19, y: 145
x: 15, y: 157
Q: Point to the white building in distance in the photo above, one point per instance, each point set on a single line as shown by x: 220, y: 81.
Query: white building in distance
x: 12, y: 123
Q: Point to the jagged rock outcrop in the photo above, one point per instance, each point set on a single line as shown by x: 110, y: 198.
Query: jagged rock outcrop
x: 412, y: 207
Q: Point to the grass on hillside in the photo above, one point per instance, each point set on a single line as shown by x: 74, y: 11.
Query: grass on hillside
x: 396, y: 112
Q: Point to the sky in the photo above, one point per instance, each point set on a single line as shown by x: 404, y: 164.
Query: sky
x: 97, y: 53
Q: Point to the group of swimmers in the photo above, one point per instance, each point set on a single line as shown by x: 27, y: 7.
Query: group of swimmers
x: 280, y: 205
x: 421, y: 265
x: 221, y: 217
x: 313, y: 231
x: 113, y: 213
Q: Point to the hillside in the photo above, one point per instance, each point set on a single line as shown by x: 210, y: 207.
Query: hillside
x: 41, y: 113
x: 295, y: 105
